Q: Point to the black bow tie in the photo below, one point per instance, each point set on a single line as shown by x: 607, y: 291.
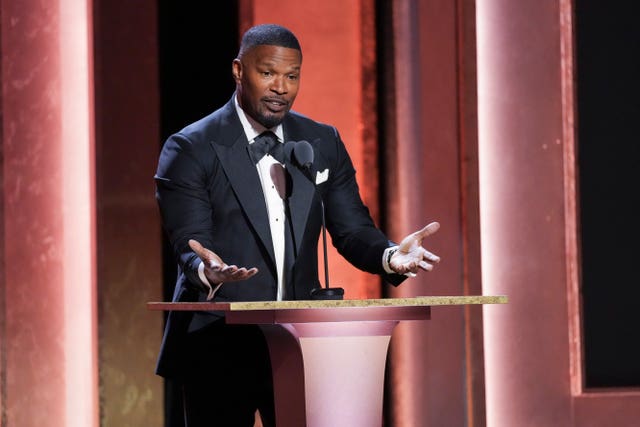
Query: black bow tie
x: 266, y: 142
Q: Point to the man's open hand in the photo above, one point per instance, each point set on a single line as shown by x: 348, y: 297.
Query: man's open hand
x: 411, y: 256
x: 216, y: 270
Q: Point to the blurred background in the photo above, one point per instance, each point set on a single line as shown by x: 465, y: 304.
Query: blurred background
x: 513, y: 124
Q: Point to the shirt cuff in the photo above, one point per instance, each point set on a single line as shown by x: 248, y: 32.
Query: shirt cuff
x: 205, y: 282
x: 386, y: 257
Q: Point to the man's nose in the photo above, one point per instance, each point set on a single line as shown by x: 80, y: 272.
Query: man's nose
x: 279, y: 85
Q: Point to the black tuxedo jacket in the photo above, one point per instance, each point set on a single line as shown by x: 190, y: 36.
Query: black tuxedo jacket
x: 208, y: 189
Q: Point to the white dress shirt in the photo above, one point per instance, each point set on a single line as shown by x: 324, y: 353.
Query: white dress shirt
x: 274, y: 203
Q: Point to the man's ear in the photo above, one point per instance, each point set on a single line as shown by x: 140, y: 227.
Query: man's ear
x: 236, y: 70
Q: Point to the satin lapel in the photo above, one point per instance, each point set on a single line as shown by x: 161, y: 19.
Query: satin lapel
x: 243, y: 176
x: 302, y: 191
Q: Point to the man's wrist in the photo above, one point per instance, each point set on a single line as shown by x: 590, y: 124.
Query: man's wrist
x: 386, y: 259
x: 212, y: 289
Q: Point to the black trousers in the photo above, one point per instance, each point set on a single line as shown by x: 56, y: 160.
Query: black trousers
x: 228, y: 377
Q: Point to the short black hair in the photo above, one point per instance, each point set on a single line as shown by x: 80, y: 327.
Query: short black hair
x: 270, y: 35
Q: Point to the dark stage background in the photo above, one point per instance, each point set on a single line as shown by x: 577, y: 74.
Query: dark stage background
x: 608, y: 116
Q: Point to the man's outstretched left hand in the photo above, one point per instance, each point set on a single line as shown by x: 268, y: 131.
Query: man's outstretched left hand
x: 411, y: 257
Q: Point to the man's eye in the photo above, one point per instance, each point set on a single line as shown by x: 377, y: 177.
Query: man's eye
x: 293, y: 77
x: 266, y: 73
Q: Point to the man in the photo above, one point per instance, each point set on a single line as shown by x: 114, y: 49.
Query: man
x: 244, y: 218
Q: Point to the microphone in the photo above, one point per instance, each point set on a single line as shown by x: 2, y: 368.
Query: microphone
x: 301, y: 154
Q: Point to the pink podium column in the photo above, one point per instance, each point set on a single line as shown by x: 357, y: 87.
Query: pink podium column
x: 328, y: 358
x: 343, y: 372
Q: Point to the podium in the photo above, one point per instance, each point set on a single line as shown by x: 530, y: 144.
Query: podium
x: 328, y: 357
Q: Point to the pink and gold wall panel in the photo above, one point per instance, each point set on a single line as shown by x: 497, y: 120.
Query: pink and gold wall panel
x: 49, y: 364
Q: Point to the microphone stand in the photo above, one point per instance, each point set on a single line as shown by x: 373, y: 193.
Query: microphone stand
x: 302, y: 152
x: 326, y: 293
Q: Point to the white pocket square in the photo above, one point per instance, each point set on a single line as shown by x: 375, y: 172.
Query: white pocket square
x: 322, y: 176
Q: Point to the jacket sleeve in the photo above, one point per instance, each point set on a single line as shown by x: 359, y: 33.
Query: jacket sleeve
x: 182, y: 194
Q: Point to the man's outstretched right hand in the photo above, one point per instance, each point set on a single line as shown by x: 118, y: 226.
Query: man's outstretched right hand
x: 216, y: 270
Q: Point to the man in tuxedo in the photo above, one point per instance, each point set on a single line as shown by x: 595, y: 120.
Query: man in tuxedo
x: 243, y: 217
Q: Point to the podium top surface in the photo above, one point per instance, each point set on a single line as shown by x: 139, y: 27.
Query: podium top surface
x: 422, y: 301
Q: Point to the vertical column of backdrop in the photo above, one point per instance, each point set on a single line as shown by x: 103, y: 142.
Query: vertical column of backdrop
x: 3, y: 279
x: 129, y: 244
x: 423, y: 148
x: 49, y: 374
x: 521, y: 125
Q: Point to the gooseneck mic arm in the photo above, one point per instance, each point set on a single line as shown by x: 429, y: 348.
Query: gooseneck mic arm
x: 301, y: 153
x: 324, y: 248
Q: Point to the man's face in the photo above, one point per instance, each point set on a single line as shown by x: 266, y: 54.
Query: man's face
x: 267, y: 80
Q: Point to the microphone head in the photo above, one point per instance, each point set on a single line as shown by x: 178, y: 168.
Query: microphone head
x: 301, y: 152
